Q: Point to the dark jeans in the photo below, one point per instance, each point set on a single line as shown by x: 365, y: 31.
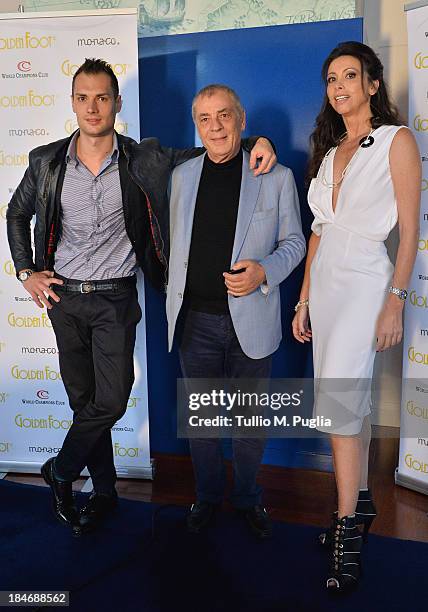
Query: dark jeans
x: 209, y: 348
x: 95, y: 334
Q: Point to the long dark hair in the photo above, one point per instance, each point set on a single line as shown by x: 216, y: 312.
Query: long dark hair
x: 329, y: 124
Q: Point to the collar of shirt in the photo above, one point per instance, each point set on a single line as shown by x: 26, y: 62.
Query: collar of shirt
x: 71, y: 155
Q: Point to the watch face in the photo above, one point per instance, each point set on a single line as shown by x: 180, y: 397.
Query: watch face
x: 403, y: 294
x: 23, y: 276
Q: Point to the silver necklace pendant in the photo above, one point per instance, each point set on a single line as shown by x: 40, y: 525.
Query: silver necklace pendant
x: 364, y: 143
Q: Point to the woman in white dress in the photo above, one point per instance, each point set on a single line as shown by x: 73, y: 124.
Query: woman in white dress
x: 366, y: 176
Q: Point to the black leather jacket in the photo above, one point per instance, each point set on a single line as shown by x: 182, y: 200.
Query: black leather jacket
x: 144, y: 170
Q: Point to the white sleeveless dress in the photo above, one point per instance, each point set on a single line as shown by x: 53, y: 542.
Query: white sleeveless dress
x: 349, y: 279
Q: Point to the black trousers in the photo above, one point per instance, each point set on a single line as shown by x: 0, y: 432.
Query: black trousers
x: 95, y: 333
x: 209, y: 348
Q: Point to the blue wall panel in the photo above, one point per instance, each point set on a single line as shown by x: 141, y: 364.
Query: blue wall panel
x: 276, y: 72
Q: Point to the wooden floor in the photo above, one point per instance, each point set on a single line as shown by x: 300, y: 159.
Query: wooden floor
x: 292, y: 495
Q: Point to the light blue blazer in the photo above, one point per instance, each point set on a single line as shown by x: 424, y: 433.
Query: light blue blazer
x: 268, y: 230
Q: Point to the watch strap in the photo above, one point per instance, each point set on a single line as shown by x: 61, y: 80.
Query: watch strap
x: 25, y: 274
x: 400, y: 293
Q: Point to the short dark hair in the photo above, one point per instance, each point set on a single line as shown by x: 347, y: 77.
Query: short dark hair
x: 92, y: 65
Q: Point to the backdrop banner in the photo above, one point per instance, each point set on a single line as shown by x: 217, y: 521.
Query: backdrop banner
x: 39, y: 54
x: 412, y: 469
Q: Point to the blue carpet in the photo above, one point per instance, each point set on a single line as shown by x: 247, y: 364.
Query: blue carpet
x: 121, y: 568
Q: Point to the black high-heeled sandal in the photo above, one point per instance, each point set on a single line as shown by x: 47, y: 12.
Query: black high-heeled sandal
x: 365, y: 514
x: 345, y: 564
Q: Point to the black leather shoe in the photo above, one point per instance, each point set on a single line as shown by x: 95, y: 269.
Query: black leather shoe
x: 259, y: 521
x: 200, y: 516
x: 98, y: 508
x: 63, y: 501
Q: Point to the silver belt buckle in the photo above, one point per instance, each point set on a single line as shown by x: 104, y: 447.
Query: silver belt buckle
x: 87, y: 287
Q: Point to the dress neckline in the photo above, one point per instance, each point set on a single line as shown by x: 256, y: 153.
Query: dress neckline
x: 333, y: 150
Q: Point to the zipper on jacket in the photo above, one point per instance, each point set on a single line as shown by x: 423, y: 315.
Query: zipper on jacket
x: 152, y: 218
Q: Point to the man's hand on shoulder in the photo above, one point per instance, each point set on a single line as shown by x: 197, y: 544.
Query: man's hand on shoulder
x: 38, y: 286
x: 247, y: 281
x: 263, y: 154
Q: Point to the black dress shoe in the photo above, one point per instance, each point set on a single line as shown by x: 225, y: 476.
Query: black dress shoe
x: 63, y: 501
x: 259, y: 521
x: 98, y: 508
x: 200, y: 516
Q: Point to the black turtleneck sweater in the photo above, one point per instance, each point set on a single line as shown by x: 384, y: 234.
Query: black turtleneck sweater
x: 213, y: 234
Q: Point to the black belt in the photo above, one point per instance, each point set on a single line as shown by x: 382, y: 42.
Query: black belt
x: 89, y: 286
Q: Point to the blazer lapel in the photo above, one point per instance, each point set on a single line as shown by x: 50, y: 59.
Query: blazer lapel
x: 250, y: 188
x: 189, y: 194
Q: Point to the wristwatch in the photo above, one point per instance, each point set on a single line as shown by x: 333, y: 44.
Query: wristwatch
x: 401, y: 293
x: 24, y: 275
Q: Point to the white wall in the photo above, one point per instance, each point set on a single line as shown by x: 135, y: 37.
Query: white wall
x: 385, y: 31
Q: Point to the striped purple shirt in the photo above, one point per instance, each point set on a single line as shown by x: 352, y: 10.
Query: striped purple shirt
x: 94, y: 244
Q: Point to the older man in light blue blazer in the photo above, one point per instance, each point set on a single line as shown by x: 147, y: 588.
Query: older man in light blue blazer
x: 234, y: 238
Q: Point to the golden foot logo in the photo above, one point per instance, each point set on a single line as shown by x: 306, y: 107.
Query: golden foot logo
x: 69, y: 69
x: 71, y: 126
x: 29, y: 100
x: 13, y: 159
x: 27, y: 41
x: 9, y: 268
x: 5, y: 447
x: 16, y: 321
x: 26, y: 374
x: 420, y: 61
x: 416, y: 357
x: 37, y: 423
x: 416, y: 464
x: 420, y: 124
x: 120, y: 451
x: 416, y: 411
x: 420, y: 301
